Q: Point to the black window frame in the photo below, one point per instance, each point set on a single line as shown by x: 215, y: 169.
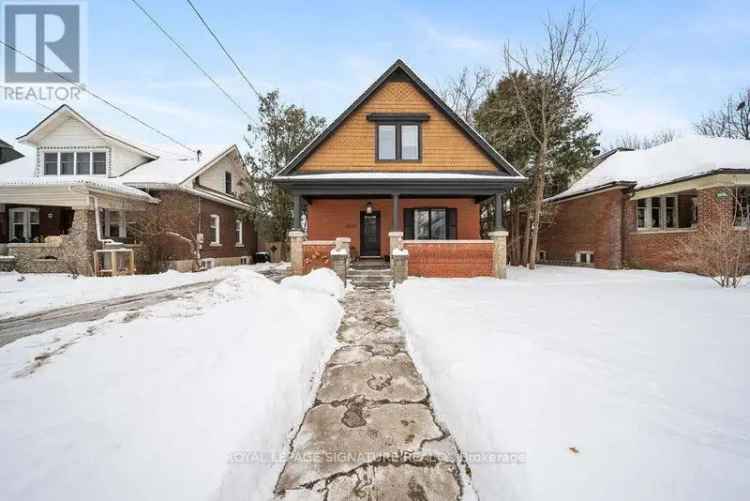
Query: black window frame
x: 451, y: 223
x: 399, y: 152
x: 227, y: 182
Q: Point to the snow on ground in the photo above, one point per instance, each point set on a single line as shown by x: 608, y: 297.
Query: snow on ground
x: 184, y: 400
x: 322, y: 280
x: 645, y: 374
x: 23, y: 294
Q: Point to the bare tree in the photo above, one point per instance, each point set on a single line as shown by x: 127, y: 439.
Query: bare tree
x: 571, y: 64
x: 466, y: 91
x: 636, y: 142
x: 732, y: 120
x: 721, y: 250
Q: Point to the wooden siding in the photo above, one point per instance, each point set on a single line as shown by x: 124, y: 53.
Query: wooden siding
x: 352, y: 146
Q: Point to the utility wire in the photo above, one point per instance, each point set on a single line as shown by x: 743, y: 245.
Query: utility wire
x: 192, y: 59
x: 203, y: 20
x: 97, y: 96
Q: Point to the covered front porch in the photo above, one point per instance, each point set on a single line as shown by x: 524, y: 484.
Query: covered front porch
x: 424, y: 224
x: 65, y: 227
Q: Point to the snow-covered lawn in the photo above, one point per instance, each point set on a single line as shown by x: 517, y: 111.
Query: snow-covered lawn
x: 183, y: 400
x: 646, y: 375
x: 23, y: 294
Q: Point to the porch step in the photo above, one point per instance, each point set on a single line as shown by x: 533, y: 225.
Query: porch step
x: 371, y: 276
x: 370, y: 264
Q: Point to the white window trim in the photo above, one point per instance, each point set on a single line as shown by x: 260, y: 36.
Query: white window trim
x: 648, y: 219
x: 743, y: 225
x: 215, y: 222
x: 581, y: 253
x: 75, y: 152
x: 26, y: 211
x: 107, y: 220
x: 239, y: 226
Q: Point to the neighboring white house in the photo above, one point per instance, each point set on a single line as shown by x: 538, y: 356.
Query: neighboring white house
x: 84, y: 186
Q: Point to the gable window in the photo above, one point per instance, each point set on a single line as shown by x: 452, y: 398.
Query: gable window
x: 430, y: 224
x: 228, y: 182
x: 68, y: 163
x: 24, y: 224
x: 238, y: 233
x: 214, y: 230
x: 657, y: 212
x: 398, y: 141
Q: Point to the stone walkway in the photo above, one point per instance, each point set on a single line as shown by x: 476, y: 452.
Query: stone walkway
x: 372, y: 433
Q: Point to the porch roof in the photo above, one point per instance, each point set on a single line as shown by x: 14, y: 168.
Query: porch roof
x: 37, y: 186
x: 386, y: 183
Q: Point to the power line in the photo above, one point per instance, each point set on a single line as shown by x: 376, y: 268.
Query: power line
x: 252, y: 87
x: 97, y: 96
x: 192, y: 60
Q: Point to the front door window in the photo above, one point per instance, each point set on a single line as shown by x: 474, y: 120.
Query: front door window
x: 370, y: 234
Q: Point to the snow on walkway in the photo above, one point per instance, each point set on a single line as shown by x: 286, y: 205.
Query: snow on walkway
x: 24, y: 294
x: 182, y: 400
x: 589, y: 384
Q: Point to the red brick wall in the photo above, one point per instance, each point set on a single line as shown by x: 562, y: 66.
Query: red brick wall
x: 316, y: 255
x: 592, y: 223
x: 665, y: 250
x: 180, y: 201
x: 331, y: 218
x: 450, y: 259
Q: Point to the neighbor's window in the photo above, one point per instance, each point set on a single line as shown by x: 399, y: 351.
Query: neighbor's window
x: 228, y: 182
x: 68, y: 163
x: 238, y: 232
x: 742, y: 211
x: 584, y: 257
x: 398, y: 141
x: 214, y: 233
x: 24, y: 224
x: 657, y: 212
x: 114, y: 224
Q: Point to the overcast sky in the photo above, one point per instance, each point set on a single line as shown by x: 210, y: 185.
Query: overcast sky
x: 681, y: 58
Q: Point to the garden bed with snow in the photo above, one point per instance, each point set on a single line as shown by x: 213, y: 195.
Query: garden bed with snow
x: 607, y: 384
x: 193, y: 398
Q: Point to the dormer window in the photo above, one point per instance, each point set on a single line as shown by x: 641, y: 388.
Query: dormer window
x: 398, y: 136
x: 79, y: 163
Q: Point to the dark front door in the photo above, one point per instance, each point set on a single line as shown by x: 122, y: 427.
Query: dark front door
x: 369, y: 233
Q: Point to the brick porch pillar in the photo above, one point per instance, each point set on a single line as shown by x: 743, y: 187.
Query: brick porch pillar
x: 499, y: 254
x: 296, y: 252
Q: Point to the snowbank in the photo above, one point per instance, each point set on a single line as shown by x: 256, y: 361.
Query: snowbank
x: 189, y: 399
x: 322, y: 280
x: 23, y: 294
x: 644, y: 374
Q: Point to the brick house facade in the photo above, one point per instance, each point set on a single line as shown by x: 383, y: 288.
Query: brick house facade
x: 631, y: 224
x: 399, y: 173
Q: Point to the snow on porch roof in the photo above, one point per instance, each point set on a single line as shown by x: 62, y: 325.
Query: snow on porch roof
x: 94, y: 183
x: 427, y: 176
x: 682, y: 158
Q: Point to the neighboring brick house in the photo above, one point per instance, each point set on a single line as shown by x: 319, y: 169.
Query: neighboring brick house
x: 399, y: 170
x: 87, y: 190
x: 639, y: 209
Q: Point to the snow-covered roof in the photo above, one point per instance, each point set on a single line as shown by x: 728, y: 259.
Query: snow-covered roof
x: 110, y: 185
x: 682, y: 158
x: 20, y: 167
x: 357, y: 176
x: 175, y: 167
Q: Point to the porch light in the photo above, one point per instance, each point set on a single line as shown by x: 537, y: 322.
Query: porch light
x: 368, y: 208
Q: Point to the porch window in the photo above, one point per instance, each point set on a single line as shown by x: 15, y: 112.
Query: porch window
x: 742, y: 210
x: 238, y: 233
x: 214, y: 233
x: 114, y: 224
x: 24, y: 224
x: 398, y: 141
x: 430, y: 224
x: 657, y: 212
